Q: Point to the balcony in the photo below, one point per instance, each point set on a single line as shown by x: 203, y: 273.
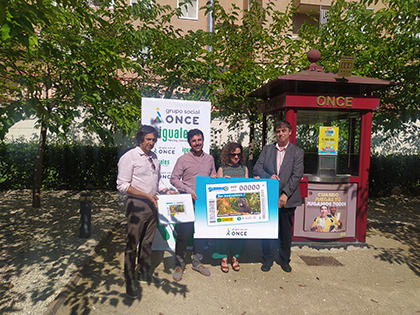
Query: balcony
x: 310, y: 8
x: 307, y: 6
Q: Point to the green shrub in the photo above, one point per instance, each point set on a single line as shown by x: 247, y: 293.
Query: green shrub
x: 65, y: 166
x: 389, y: 172
x: 17, y: 164
x: 78, y: 166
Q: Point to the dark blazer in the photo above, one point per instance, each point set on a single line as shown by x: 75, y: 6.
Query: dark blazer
x: 291, y: 171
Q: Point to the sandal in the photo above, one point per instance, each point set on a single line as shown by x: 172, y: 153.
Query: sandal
x: 225, y: 265
x: 235, y: 264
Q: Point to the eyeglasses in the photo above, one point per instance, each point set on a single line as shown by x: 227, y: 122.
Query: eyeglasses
x: 235, y: 154
x: 151, y: 162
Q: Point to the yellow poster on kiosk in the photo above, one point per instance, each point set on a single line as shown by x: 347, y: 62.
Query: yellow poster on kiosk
x: 328, y: 140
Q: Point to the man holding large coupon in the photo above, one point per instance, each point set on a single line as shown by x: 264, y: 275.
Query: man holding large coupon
x: 282, y: 161
x: 187, y: 168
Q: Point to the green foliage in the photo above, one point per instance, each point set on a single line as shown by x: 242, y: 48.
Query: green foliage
x: 216, y: 152
x: 65, y: 166
x: 173, y: 59
x: 20, y: 19
x: 388, y: 172
x: 245, y: 49
x: 85, y: 63
x: 385, y: 44
x: 248, y: 47
x: 254, y: 201
x: 75, y: 69
x: 17, y: 164
x: 78, y: 166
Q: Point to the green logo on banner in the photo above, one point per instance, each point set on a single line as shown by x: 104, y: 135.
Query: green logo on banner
x: 163, y: 232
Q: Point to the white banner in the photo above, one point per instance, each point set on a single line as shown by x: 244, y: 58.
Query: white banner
x: 173, y: 119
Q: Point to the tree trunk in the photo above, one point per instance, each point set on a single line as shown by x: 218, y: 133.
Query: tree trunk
x: 36, y: 189
x: 251, y: 161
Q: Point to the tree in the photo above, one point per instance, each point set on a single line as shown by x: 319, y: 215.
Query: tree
x: 175, y: 64
x: 76, y: 66
x: 245, y: 49
x: 249, y: 47
x: 385, y: 44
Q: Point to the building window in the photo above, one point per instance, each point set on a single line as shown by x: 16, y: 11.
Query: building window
x: 314, y: 15
x: 323, y: 15
x: 147, y: 4
x: 98, y: 3
x: 189, y: 9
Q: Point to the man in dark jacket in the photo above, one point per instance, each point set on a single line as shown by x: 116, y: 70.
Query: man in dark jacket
x: 282, y: 161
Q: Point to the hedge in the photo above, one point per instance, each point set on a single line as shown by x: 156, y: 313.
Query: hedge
x: 78, y: 166
x: 65, y: 166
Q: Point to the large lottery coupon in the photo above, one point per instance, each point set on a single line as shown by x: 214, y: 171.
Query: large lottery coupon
x: 237, y: 203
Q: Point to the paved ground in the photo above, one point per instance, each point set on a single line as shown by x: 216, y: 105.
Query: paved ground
x: 40, y: 248
x: 40, y: 251
x: 380, y: 278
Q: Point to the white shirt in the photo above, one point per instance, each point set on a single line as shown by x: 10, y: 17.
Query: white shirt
x: 135, y: 169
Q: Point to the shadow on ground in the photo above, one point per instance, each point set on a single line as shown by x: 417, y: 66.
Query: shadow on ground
x: 40, y: 248
x: 104, y: 282
x: 408, y: 236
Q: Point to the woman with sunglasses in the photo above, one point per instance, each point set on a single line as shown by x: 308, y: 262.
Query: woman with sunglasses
x: 232, y: 160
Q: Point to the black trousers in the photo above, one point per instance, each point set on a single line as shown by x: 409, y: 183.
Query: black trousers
x: 183, y: 231
x: 141, y: 227
x: 285, y: 237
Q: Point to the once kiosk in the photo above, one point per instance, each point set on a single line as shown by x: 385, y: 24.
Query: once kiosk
x: 331, y: 117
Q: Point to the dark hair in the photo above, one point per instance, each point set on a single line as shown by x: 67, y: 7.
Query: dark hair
x: 192, y: 133
x: 282, y: 123
x: 224, y: 157
x: 323, y: 206
x: 144, y: 130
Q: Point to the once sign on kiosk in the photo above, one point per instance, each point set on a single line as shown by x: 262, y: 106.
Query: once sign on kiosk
x: 339, y: 102
x: 333, y: 101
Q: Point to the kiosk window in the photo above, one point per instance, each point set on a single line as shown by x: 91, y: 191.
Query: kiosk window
x: 308, y: 126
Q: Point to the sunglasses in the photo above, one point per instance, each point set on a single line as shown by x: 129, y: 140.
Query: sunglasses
x: 235, y: 154
x: 151, y: 162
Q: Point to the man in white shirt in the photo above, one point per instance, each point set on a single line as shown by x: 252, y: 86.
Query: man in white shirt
x: 139, y: 178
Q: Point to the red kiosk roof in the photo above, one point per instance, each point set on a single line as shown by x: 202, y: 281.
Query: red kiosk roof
x: 320, y: 80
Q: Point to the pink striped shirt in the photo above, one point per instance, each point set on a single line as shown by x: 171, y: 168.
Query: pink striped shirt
x: 135, y: 169
x: 188, y: 167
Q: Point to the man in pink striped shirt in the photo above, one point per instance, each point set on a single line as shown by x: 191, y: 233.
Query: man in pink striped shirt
x: 139, y: 178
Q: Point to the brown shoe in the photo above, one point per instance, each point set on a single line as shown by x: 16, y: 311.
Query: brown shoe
x: 224, y: 265
x: 235, y: 264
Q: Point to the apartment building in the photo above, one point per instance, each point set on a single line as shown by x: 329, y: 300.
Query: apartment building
x: 194, y: 18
